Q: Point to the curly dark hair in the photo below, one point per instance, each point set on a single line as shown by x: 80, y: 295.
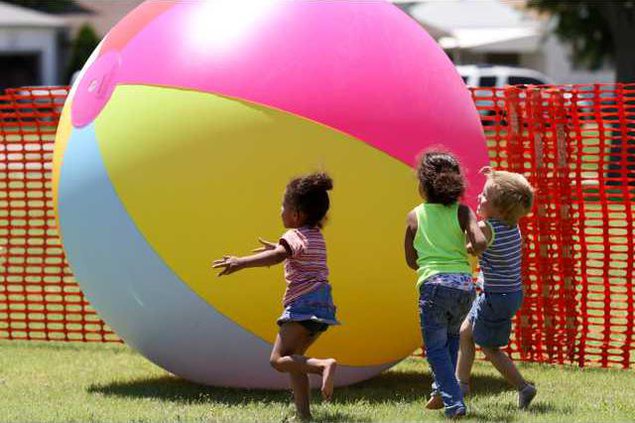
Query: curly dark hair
x: 440, y: 177
x: 309, y: 195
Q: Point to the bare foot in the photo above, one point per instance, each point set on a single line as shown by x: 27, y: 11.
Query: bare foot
x: 327, y: 378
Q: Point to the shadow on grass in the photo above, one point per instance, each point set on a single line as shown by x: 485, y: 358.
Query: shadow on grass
x: 509, y: 413
x: 408, y: 386
x: 170, y: 388
x: 403, y: 386
x: 389, y: 386
x: 336, y: 416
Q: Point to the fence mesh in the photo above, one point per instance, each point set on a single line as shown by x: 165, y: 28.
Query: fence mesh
x: 39, y: 299
x: 575, y: 144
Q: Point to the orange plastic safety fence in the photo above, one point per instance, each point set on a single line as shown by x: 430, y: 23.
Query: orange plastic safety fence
x: 39, y: 299
x: 576, y: 145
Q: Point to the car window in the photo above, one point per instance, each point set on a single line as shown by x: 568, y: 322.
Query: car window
x: 518, y: 80
x: 487, y: 81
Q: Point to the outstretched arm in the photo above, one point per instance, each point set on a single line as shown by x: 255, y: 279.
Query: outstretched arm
x: 267, y: 255
x: 476, y: 240
x: 409, y: 248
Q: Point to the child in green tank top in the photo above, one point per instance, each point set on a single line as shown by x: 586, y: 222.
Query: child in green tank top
x: 435, y: 246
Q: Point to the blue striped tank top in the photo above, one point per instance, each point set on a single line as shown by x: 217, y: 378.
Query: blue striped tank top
x: 501, y: 262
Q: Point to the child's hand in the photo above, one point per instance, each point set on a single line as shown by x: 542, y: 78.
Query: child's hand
x: 266, y: 245
x: 230, y: 264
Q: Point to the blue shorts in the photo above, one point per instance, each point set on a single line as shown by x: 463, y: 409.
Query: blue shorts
x: 491, y: 317
x: 315, y: 306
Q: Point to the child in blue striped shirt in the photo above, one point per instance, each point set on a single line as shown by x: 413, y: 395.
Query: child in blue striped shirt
x: 506, y: 197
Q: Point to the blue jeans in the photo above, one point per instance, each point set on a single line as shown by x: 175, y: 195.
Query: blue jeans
x: 441, y: 313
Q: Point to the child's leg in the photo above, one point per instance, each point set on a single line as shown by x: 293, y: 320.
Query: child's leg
x: 466, y: 355
x: 491, y: 329
x: 301, y: 394
x: 294, y: 341
x: 328, y: 374
x: 435, y: 304
x: 505, y: 366
x: 439, y: 358
x: 287, y: 356
x: 453, y: 348
x: 436, y: 402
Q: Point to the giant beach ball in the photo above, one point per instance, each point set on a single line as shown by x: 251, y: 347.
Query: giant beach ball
x: 176, y: 143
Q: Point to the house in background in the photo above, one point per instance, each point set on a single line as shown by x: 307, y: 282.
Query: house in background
x: 34, y: 46
x: 102, y: 14
x: 29, y: 47
x: 499, y: 32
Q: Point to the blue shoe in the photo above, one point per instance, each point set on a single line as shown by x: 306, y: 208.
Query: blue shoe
x: 456, y: 412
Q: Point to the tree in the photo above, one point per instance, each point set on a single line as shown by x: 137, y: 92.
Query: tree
x: 598, y: 30
x: 49, y: 6
x: 83, y: 45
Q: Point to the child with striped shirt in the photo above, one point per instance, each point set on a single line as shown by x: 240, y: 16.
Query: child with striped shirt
x: 308, y: 304
x: 506, y: 197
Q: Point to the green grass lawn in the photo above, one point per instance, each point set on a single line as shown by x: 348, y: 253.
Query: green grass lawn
x: 57, y: 382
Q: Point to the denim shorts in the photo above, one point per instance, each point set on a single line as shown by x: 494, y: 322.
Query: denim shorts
x: 314, y: 310
x: 491, y: 317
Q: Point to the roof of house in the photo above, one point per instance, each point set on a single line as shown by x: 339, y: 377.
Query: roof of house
x: 483, y: 25
x: 471, y: 14
x: 15, y: 16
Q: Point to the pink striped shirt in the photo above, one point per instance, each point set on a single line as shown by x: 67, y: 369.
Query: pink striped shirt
x: 305, y: 269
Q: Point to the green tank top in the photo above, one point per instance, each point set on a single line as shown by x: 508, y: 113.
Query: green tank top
x: 439, y: 241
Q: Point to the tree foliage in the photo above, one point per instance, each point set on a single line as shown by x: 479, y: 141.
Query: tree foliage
x: 598, y: 31
x: 83, y: 45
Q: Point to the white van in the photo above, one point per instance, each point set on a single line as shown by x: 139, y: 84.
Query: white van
x: 500, y: 76
x: 486, y: 76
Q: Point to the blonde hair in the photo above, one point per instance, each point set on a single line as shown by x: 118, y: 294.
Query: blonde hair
x: 510, y: 194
